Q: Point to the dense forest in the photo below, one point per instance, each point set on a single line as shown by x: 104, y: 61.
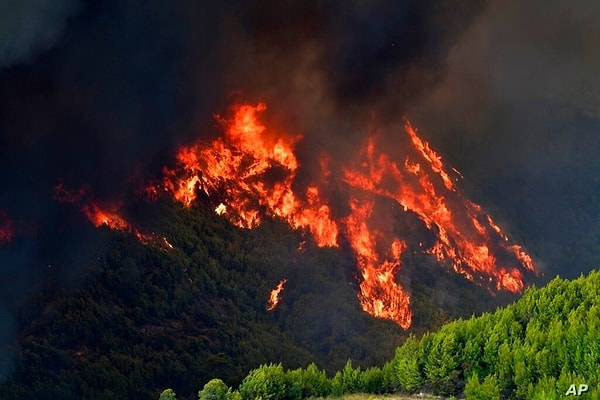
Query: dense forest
x: 139, y: 317
x: 536, y: 348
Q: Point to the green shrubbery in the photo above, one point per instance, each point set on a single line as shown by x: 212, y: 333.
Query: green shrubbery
x: 533, y: 349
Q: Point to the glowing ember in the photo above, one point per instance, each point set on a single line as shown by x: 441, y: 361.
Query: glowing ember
x: 108, y: 217
x: 251, y: 171
x: 6, y: 229
x: 167, y: 243
x: 221, y: 209
x: 100, y: 214
x: 274, y: 298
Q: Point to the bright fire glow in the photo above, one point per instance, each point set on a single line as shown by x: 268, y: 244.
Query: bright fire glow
x: 380, y: 295
x: 251, y: 171
x: 103, y: 214
x: 240, y: 167
x: 275, y: 296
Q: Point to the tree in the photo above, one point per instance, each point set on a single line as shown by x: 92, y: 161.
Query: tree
x: 486, y: 390
x: 167, y: 394
x: 315, y: 382
x: 372, y: 380
x: 406, y: 363
x: 215, y: 389
x: 266, y: 382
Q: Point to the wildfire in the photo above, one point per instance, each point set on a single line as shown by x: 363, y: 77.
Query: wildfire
x: 251, y: 170
x: 101, y: 214
x: 380, y: 295
x: 240, y: 167
x: 274, y: 298
x: 467, y: 236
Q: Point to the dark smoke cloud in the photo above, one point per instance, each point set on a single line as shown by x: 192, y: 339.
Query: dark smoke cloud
x: 519, y: 114
x: 329, y: 65
x: 28, y: 27
x: 97, y: 94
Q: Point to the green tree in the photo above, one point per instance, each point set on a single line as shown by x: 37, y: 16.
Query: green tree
x: 406, y: 361
x: 266, y: 382
x: 167, y: 394
x: 486, y: 390
x: 372, y: 380
x: 315, y: 382
x: 293, y: 384
x: 351, y: 382
x: 215, y: 389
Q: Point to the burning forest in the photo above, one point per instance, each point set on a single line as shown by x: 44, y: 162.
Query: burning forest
x: 149, y: 150
x: 250, y: 173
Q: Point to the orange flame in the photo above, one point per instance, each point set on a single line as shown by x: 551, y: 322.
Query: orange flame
x: 250, y: 171
x: 103, y: 214
x: 380, y: 295
x: 274, y: 298
x: 107, y: 216
x: 467, y: 236
x: 240, y: 167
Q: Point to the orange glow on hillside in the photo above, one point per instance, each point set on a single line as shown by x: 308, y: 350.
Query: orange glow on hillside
x: 239, y: 167
x: 251, y: 172
x: 275, y: 296
x: 103, y: 213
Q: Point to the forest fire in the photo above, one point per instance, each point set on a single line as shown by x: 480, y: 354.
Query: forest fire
x: 275, y: 296
x: 251, y: 170
x: 98, y: 213
x: 235, y: 167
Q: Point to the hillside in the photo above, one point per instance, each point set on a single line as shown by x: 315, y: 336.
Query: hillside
x: 534, y: 349
x: 544, y: 346
x: 145, y: 316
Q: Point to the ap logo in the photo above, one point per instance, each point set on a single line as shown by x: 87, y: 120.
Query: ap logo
x: 576, y: 390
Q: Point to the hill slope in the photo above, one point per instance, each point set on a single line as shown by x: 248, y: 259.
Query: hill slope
x: 535, y: 348
x: 147, y: 316
x: 544, y: 346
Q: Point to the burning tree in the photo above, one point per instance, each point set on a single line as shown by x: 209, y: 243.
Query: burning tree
x: 238, y: 170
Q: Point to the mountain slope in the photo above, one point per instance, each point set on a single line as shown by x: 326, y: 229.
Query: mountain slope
x: 535, y: 348
x: 147, y: 316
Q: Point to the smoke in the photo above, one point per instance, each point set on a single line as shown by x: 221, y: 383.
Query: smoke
x: 28, y: 27
x: 97, y: 95
x: 518, y: 113
x: 329, y: 66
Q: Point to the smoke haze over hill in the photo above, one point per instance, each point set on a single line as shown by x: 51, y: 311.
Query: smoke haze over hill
x: 99, y: 94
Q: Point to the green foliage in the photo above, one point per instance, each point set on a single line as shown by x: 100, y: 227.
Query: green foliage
x: 167, y: 394
x: 267, y: 382
x: 348, y: 380
x: 315, y: 382
x: 372, y: 380
x: 215, y: 389
x: 486, y: 390
x: 550, y: 337
x: 406, y: 362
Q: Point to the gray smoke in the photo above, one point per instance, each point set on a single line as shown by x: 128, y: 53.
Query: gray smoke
x: 519, y: 112
x: 28, y: 27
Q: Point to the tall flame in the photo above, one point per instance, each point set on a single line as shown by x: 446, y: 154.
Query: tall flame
x: 380, y: 295
x: 467, y: 236
x: 275, y: 296
x: 239, y: 168
x: 251, y: 170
